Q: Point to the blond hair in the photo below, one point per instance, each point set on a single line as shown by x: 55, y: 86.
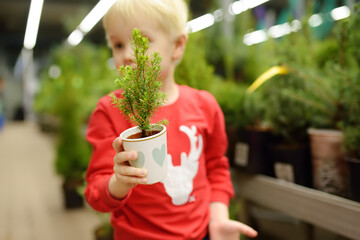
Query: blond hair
x: 170, y: 15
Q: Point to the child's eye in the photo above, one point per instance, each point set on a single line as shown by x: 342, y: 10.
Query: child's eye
x: 118, y: 45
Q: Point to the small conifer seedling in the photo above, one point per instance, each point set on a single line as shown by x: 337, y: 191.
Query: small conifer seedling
x: 141, y: 85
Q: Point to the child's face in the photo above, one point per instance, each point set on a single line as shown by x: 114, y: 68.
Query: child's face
x: 119, y: 35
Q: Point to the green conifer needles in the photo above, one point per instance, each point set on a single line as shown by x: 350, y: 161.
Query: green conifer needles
x: 141, y: 85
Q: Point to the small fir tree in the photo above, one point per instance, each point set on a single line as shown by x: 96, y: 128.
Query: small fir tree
x: 141, y: 85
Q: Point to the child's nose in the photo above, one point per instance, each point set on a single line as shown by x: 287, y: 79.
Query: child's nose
x: 128, y: 56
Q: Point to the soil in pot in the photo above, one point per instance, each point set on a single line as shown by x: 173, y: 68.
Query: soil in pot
x: 139, y: 135
x: 232, y: 135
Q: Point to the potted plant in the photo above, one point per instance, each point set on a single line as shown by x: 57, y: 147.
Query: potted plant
x: 72, y: 150
x: 231, y: 96
x: 68, y: 93
x: 141, y: 97
x: 322, y: 95
x: 350, y: 126
x: 254, y: 137
x: 289, y: 121
x: 332, y: 97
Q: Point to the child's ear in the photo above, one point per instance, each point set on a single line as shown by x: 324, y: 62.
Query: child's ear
x: 180, y: 44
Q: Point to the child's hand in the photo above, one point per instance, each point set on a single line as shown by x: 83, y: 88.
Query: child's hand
x: 125, y: 176
x: 223, y: 228
x: 229, y: 230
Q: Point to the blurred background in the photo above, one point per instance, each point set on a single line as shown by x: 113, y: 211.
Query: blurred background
x: 285, y: 73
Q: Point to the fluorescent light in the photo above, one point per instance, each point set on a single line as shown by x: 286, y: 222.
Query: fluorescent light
x: 340, y: 13
x: 200, y: 23
x: 315, y: 20
x: 279, y: 30
x: 75, y: 37
x: 219, y: 15
x: 296, y: 25
x: 32, y: 25
x: 255, y: 37
x: 89, y: 21
x: 243, y: 5
x: 95, y: 15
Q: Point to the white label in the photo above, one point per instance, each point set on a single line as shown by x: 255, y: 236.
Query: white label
x: 284, y: 171
x: 241, y: 154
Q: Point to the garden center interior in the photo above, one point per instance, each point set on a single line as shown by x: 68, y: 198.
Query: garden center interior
x: 286, y: 74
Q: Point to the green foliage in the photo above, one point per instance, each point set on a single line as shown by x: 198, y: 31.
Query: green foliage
x: 193, y: 70
x: 140, y: 84
x: 73, y: 152
x: 85, y: 66
x: 350, y: 72
x: 70, y: 98
x: 288, y: 118
x: 331, y: 81
x: 255, y: 107
x: 231, y: 97
x: 322, y: 96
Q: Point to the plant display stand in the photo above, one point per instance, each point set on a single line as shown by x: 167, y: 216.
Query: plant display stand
x: 330, y: 212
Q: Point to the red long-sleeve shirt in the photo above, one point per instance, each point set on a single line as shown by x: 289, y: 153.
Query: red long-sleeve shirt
x: 198, y: 171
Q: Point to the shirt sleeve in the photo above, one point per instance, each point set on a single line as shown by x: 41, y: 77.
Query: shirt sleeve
x: 217, y: 163
x: 100, y: 134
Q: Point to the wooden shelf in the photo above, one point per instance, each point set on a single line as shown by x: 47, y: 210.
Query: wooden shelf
x: 336, y: 214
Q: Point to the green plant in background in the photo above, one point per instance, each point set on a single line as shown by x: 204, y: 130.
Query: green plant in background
x: 141, y: 85
x: 69, y: 96
x: 350, y: 72
x: 91, y: 78
x: 73, y: 152
x: 255, y: 106
x: 322, y: 96
x: 194, y: 70
x: 332, y: 93
x: 288, y: 118
x: 231, y: 97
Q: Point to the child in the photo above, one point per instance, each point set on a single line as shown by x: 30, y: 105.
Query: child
x: 192, y: 202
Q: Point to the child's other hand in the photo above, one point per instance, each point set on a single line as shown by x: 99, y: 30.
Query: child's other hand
x: 229, y: 230
x: 125, y: 176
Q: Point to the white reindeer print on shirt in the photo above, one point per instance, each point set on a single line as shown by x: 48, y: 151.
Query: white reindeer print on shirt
x: 179, y: 182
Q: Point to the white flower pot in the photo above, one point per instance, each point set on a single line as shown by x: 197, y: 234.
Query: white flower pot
x: 152, y: 152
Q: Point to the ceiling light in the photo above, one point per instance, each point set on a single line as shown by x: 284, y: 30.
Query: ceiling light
x: 75, y: 37
x: 340, y: 13
x: 243, y: 5
x: 90, y: 21
x: 315, y: 20
x: 200, y: 23
x: 95, y: 15
x: 32, y: 25
x: 279, y: 30
x: 296, y: 25
x: 255, y: 37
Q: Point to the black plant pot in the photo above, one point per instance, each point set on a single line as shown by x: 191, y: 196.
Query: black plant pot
x: 254, y: 152
x: 292, y: 162
x: 72, y: 198
x: 232, y: 135
x: 354, y: 178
